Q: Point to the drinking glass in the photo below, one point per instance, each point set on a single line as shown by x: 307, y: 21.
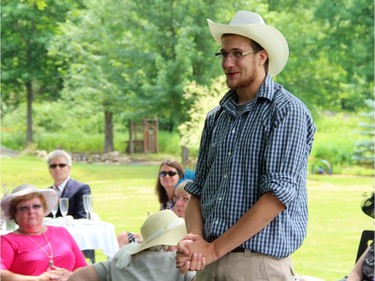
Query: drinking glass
x: 64, y: 206
x: 87, y: 204
x: 54, y: 211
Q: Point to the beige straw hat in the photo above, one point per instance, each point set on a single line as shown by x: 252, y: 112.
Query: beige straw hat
x: 161, y: 228
x: 251, y: 25
x: 49, y: 194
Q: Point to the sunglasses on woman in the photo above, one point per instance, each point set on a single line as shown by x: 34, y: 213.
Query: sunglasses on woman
x: 170, y: 173
x: 24, y: 209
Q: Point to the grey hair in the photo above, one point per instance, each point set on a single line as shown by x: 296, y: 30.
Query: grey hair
x: 59, y: 153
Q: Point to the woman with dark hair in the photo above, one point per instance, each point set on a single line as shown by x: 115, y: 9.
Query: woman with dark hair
x: 170, y: 172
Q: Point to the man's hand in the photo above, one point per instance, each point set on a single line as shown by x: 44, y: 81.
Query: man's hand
x: 183, y: 256
x: 194, y: 253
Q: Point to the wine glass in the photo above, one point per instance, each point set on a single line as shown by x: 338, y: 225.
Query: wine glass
x: 87, y: 204
x: 54, y: 211
x: 64, y: 206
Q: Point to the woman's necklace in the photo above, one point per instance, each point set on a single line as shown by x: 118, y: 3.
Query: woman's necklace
x: 50, y: 264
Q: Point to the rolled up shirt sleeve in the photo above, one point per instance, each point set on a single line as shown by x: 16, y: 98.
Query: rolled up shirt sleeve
x: 288, y: 147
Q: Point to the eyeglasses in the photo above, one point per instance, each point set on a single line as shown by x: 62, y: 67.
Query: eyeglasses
x: 234, y: 54
x: 25, y: 209
x: 170, y: 173
x: 61, y: 165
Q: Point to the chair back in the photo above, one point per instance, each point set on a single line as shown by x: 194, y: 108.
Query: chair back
x: 366, y: 237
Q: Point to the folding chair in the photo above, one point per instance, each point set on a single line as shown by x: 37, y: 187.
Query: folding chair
x: 366, y: 237
x: 89, y: 254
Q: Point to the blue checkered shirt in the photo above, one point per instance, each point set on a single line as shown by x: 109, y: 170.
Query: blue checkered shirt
x: 264, y: 149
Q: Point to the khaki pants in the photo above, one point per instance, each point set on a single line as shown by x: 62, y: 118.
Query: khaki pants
x: 248, y: 266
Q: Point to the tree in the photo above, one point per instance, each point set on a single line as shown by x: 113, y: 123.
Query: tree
x: 347, y: 39
x: 329, y: 66
x: 126, y: 59
x: 40, y: 4
x: 134, y: 57
x: 175, y: 36
x: 204, y: 99
x: 97, y: 48
x: 364, y: 153
x: 25, y: 32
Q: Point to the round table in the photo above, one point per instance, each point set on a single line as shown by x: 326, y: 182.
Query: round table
x: 90, y: 234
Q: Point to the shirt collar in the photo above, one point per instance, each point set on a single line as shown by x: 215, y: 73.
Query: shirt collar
x: 61, y: 186
x: 265, y: 91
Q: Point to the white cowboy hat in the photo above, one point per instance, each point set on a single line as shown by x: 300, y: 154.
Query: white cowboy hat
x: 161, y: 228
x: 49, y: 194
x: 251, y: 25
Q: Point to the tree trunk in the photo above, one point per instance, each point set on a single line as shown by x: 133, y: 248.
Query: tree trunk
x: 29, y: 128
x: 131, y: 142
x: 185, y: 153
x: 108, y: 126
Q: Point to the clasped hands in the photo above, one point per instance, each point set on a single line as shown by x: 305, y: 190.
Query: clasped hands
x: 194, y: 253
x: 56, y: 274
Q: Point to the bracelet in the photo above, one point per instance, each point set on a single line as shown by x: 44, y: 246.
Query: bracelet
x: 131, y: 237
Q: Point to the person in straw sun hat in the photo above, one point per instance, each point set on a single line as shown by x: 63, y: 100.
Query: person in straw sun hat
x: 364, y: 267
x: 153, y: 259
x: 49, y: 195
x: 248, y: 203
x: 35, y: 251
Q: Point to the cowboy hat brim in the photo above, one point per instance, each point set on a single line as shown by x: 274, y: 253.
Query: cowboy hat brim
x: 272, y: 40
x: 49, y: 194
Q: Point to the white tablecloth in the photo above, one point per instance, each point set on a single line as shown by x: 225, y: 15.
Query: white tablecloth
x: 90, y: 234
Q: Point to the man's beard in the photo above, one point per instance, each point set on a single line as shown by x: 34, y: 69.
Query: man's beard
x: 245, y: 82
x: 242, y: 84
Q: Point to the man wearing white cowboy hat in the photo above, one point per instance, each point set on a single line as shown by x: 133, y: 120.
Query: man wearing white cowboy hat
x: 248, y: 209
x: 150, y: 260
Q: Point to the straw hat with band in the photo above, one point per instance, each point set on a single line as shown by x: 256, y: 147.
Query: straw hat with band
x: 251, y: 25
x: 49, y: 194
x: 161, y: 228
x: 367, y: 204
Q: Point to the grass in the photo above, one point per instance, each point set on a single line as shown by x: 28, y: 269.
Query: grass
x: 335, y: 225
x: 124, y: 194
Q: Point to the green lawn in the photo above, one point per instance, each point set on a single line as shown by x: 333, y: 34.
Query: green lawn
x: 335, y: 225
x: 124, y: 194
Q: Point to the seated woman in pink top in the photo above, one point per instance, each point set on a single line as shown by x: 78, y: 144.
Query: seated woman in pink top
x: 35, y: 249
